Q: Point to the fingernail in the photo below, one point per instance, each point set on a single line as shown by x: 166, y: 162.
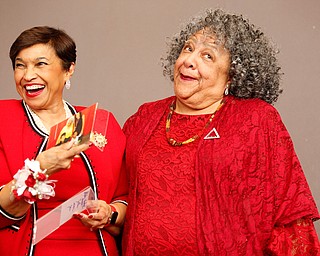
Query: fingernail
x: 90, y: 216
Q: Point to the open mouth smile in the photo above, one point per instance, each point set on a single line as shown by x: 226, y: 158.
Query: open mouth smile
x: 34, y: 89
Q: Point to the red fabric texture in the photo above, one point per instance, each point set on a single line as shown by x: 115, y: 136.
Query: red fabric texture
x: 100, y: 170
x: 295, y: 239
x: 248, y: 184
x: 166, y: 188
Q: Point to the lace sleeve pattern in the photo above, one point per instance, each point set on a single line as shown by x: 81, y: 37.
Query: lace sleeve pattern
x: 297, y: 238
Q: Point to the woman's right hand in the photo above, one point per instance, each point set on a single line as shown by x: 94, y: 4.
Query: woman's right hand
x: 54, y: 160
x: 60, y: 157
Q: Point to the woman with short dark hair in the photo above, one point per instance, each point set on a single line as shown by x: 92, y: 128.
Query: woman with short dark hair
x: 35, y: 180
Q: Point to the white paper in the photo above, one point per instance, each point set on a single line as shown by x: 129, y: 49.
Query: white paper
x: 61, y: 214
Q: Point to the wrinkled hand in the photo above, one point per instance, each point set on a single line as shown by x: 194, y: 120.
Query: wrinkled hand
x: 60, y: 157
x: 98, y: 217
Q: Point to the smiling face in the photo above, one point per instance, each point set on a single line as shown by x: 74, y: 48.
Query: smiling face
x: 40, y: 77
x: 201, y: 74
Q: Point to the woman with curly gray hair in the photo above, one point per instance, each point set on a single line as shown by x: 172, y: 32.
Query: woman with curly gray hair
x: 213, y: 169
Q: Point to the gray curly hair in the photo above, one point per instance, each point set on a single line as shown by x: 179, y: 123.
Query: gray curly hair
x: 254, y: 69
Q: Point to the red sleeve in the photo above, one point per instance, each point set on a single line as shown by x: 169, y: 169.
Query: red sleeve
x: 297, y: 238
x: 293, y: 197
x: 121, y: 191
x: 6, y: 219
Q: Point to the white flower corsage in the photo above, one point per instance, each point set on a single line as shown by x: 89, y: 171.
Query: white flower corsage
x: 31, y: 183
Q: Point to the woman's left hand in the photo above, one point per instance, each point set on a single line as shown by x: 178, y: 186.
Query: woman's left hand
x: 98, y: 217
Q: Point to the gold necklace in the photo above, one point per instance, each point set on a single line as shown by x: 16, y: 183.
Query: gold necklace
x: 175, y: 143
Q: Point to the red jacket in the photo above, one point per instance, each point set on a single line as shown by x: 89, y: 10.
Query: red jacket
x: 21, y: 139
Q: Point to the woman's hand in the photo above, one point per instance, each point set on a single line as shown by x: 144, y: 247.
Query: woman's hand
x: 54, y: 160
x: 60, y: 157
x: 98, y: 216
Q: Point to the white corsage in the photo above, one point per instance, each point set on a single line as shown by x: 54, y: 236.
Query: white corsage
x: 31, y: 183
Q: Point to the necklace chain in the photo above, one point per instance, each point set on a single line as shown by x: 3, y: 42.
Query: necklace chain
x: 175, y: 143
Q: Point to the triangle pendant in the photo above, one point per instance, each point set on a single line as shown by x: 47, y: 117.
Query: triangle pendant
x: 213, y: 134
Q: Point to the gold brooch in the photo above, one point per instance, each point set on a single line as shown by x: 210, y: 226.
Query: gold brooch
x: 99, y: 140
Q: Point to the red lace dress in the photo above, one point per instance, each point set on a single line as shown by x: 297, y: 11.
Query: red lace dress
x: 165, y: 206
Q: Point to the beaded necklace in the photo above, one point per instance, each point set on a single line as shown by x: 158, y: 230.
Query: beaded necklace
x: 175, y: 143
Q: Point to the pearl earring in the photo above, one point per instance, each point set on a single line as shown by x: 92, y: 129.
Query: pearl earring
x: 68, y: 84
x: 226, y: 91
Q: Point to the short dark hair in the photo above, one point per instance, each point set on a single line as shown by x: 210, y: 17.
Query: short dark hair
x: 63, y: 44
